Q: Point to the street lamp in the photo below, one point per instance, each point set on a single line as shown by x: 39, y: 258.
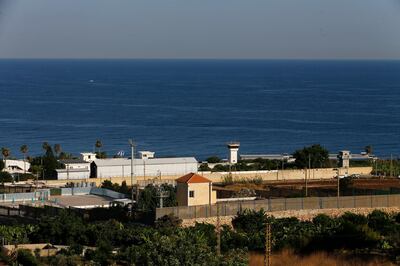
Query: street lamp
x: 133, y: 145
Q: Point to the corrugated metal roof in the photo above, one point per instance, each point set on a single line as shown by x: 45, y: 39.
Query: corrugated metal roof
x: 152, y: 161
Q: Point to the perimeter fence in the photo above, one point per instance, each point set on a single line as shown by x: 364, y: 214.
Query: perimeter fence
x: 280, y: 204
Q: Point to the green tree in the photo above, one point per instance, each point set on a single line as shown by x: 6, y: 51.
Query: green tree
x: 368, y: 149
x: 316, y: 155
x: 26, y: 258
x: 49, y: 162
x: 98, y: 145
x: 6, y: 153
x: 148, y: 199
x: 24, y: 151
x: 57, y: 149
x: 213, y: 159
x: 5, y: 177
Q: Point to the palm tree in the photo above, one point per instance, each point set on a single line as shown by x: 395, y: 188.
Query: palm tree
x: 24, y: 151
x: 6, y: 153
x: 57, y: 149
x: 45, y: 146
x: 98, y: 145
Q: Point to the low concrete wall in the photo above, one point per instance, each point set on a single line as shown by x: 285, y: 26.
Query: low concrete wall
x: 320, y: 173
x: 91, y: 190
x: 42, y: 194
x: 281, y: 204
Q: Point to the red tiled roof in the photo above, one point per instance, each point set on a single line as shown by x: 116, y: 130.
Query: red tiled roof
x: 192, y: 178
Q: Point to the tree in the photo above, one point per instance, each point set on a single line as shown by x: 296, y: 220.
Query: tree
x: 368, y: 149
x: 213, y: 159
x: 148, y: 199
x: 6, y: 154
x: 24, y: 151
x: 98, y: 145
x: 57, y: 149
x: 26, y: 258
x: 5, y: 177
x: 45, y: 146
x: 48, y: 161
x: 316, y: 155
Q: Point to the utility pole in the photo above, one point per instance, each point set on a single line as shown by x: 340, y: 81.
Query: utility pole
x: 305, y: 177
x: 267, y: 257
x: 132, y: 144
x: 391, y: 165
x: 218, y: 232
x: 338, y: 185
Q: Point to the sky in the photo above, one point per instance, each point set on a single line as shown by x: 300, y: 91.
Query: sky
x: 225, y: 29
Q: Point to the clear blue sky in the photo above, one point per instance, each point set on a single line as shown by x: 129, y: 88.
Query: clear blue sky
x: 313, y: 29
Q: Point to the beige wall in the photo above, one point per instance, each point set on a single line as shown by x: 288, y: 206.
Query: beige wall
x: 321, y: 173
x: 324, y: 173
x: 182, y: 194
x: 201, y: 194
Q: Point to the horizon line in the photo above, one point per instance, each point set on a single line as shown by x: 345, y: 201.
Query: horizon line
x: 199, y: 59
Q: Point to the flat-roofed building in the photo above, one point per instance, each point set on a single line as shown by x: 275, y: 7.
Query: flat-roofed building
x: 73, y: 169
x: 16, y: 166
x: 121, y: 167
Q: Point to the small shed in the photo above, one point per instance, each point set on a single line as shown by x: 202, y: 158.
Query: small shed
x: 194, y: 189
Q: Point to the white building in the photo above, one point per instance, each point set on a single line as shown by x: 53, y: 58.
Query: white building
x: 16, y: 166
x: 121, y: 167
x: 74, y: 169
x: 88, y: 156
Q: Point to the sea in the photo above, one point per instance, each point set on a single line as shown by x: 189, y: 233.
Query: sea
x: 194, y: 107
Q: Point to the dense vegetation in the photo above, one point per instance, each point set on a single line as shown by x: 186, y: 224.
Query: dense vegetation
x: 124, y: 243
x: 165, y: 243
x: 378, y: 232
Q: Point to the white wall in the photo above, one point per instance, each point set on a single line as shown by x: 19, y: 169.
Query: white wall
x: 64, y: 175
x: 150, y: 170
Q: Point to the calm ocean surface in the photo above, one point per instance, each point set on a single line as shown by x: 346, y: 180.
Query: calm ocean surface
x: 193, y: 107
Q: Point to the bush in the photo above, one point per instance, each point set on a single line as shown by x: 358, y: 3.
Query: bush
x: 227, y: 180
x: 168, y: 221
x: 26, y: 258
x: 204, y: 167
x: 5, y: 177
x: 213, y: 159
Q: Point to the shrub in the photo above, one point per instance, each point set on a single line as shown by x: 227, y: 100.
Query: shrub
x: 213, y: 159
x: 168, y: 221
x: 227, y: 180
x: 26, y: 258
x: 204, y: 167
x: 5, y: 177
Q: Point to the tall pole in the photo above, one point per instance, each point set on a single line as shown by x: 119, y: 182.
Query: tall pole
x: 338, y: 185
x: 218, y: 232
x: 306, y: 182
x: 132, y: 144
x: 391, y: 165
x: 267, y: 258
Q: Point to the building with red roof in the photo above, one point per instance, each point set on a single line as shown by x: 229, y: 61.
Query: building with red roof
x: 194, y: 189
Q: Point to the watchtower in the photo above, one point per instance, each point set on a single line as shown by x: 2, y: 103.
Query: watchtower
x: 344, y: 159
x: 233, y: 152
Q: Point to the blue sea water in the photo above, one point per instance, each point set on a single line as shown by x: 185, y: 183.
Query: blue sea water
x: 193, y: 107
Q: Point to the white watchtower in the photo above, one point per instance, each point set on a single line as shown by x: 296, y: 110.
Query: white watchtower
x: 233, y: 152
x: 344, y: 159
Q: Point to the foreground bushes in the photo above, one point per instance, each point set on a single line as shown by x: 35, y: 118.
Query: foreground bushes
x: 166, y: 243
x: 378, y: 231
